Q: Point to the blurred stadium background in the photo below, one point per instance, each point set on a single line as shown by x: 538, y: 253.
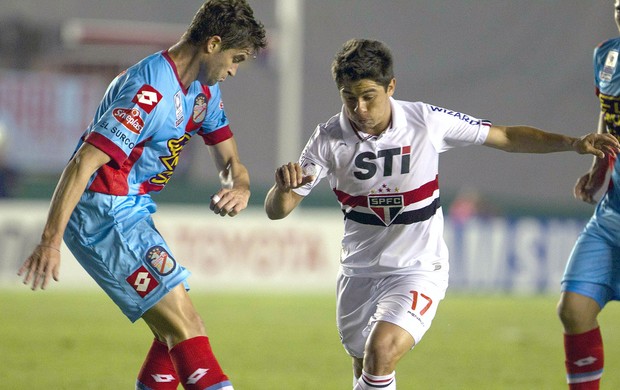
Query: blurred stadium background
x: 512, y: 218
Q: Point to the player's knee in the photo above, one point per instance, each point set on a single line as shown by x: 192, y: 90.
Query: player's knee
x: 565, y: 313
x: 573, y: 319
x: 381, y: 356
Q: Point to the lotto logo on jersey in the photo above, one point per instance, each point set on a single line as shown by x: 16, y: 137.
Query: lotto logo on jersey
x: 147, y: 98
x: 142, y: 281
x: 160, y: 260
x: 130, y: 118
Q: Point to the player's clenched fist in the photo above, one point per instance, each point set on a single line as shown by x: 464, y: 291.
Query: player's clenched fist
x: 291, y: 176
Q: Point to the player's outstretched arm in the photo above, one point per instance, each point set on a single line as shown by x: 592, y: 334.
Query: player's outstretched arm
x: 526, y: 139
x: 280, y: 199
x: 44, y: 262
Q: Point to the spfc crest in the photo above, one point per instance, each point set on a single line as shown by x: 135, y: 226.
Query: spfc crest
x: 386, y: 207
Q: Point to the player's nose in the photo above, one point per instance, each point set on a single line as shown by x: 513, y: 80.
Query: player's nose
x: 360, y: 107
x: 233, y: 70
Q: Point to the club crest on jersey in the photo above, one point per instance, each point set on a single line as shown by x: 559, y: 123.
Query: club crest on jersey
x: 611, y: 61
x: 200, y: 108
x: 386, y: 206
x: 160, y: 260
x: 147, y: 98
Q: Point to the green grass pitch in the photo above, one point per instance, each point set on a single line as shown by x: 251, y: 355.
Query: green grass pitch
x: 80, y: 340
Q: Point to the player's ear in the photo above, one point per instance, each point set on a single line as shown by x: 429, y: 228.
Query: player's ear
x: 391, y: 87
x: 213, y: 44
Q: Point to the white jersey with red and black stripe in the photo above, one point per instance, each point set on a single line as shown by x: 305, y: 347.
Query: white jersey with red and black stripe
x: 388, y: 186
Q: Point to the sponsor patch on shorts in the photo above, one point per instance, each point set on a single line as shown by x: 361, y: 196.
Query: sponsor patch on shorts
x: 142, y: 281
x: 160, y: 260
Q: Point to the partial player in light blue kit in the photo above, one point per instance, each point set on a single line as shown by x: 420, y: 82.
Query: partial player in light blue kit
x: 592, y: 275
x: 102, y: 205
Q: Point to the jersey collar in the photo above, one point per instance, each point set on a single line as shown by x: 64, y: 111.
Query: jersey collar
x: 174, y: 69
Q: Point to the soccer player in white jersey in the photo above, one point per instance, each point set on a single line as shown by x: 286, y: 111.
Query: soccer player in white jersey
x: 102, y: 207
x: 380, y: 156
x: 592, y: 275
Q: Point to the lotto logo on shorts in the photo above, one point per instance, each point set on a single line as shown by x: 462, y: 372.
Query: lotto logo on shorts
x: 160, y: 260
x: 147, y: 98
x: 142, y: 281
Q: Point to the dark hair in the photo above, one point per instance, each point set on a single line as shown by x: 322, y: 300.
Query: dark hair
x: 360, y: 59
x: 231, y: 20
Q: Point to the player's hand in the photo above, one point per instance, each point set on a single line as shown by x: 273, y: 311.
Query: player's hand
x: 597, y: 144
x: 291, y: 176
x: 589, y: 184
x: 42, y: 265
x: 230, y: 201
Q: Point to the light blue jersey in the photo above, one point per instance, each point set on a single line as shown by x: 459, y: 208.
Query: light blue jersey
x: 593, y: 268
x: 143, y: 122
x: 145, y: 119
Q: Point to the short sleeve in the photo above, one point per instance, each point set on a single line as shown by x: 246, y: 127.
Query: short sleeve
x: 121, y: 122
x: 215, y: 128
x: 448, y: 129
x: 314, y: 160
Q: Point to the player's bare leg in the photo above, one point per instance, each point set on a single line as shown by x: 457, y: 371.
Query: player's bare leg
x: 386, y: 345
x: 174, y: 318
x: 358, y: 366
x: 583, y: 344
x: 175, y: 321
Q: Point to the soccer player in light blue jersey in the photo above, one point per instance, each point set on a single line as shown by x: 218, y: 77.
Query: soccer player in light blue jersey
x: 102, y: 207
x: 592, y: 275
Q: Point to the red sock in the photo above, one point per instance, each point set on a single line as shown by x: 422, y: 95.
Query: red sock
x: 157, y: 372
x: 584, y: 360
x: 197, y: 366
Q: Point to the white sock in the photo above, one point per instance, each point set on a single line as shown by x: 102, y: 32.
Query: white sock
x: 370, y: 382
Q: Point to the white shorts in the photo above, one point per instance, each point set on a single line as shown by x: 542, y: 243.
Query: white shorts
x: 409, y: 301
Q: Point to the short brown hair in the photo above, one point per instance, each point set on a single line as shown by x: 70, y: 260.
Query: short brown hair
x: 231, y: 20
